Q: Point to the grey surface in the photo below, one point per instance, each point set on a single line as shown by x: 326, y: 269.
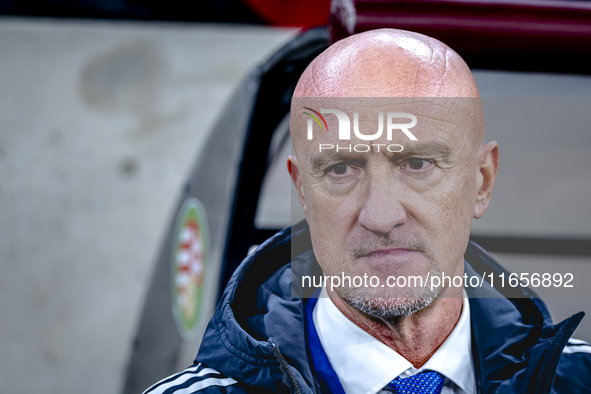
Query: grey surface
x: 100, y: 124
x: 542, y: 123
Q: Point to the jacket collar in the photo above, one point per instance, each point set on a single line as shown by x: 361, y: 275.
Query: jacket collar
x: 516, y: 347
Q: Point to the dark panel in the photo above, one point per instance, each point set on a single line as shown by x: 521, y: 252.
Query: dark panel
x: 231, y: 11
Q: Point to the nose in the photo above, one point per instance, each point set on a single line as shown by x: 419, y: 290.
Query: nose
x: 382, y: 210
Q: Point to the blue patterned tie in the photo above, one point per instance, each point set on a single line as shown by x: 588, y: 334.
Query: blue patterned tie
x: 429, y: 382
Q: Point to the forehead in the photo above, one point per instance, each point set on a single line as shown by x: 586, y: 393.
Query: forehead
x: 451, y: 121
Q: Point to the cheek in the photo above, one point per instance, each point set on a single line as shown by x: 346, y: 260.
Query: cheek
x: 325, y: 207
x: 446, y: 213
x: 467, y: 199
x: 454, y: 199
x: 331, y: 220
x: 459, y: 208
x: 330, y: 216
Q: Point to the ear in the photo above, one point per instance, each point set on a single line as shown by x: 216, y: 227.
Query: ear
x: 488, y: 165
x: 292, y: 167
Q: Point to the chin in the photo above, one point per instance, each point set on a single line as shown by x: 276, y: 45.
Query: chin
x: 393, y: 308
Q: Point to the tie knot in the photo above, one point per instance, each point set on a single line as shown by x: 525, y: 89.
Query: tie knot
x: 429, y: 382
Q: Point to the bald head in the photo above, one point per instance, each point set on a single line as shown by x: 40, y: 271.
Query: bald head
x: 387, y: 63
x: 394, y: 63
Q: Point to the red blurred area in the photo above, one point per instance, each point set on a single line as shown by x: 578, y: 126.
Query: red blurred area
x: 292, y: 13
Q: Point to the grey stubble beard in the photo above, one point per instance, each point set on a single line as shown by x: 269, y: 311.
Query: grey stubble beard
x: 390, y: 309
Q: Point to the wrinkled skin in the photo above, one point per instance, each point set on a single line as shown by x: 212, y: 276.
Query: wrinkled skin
x: 390, y: 214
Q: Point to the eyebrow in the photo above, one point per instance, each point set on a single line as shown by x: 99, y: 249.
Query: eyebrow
x: 426, y: 149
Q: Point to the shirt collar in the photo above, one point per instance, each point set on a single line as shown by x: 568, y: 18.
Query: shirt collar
x: 365, y: 365
x: 453, y: 359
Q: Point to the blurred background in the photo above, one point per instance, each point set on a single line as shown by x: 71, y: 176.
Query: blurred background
x: 106, y: 115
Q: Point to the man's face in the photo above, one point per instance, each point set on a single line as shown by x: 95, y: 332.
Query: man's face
x: 387, y: 213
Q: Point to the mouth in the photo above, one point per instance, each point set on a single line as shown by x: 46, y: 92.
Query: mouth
x: 389, y: 251
x: 387, y: 259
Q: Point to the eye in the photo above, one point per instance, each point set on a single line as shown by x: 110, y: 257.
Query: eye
x: 338, y: 169
x: 417, y: 164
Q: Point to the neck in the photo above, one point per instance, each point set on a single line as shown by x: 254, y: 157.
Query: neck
x: 415, y: 337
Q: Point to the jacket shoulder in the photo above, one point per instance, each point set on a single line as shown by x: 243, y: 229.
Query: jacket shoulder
x: 196, y: 379
x: 573, y: 374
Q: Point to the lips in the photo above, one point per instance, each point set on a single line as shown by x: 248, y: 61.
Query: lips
x: 388, y: 251
x: 388, y: 260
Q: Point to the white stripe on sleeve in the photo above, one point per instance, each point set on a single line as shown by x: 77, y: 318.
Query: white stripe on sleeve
x: 181, y: 378
x: 575, y: 341
x: 577, y: 349
x: 576, y: 346
x: 190, y: 369
x: 202, y: 384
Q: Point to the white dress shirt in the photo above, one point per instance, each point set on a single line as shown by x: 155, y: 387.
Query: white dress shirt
x: 365, y: 365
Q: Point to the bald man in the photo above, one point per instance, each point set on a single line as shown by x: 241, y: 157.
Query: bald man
x: 388, y: 217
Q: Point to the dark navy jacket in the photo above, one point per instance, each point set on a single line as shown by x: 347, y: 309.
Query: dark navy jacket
x: 256, y: 339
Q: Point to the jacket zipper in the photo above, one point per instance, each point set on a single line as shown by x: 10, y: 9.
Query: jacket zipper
x: 284, y: 365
